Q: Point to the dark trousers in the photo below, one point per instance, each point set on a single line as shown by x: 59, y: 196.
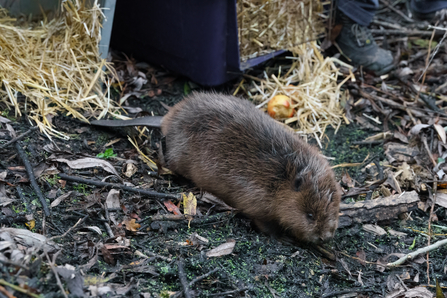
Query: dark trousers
x: 362, y: 11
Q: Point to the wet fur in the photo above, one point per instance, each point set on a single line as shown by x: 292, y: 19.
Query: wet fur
x: 253, y: 163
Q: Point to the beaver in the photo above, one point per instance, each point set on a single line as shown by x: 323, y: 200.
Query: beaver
x: 227, y: 147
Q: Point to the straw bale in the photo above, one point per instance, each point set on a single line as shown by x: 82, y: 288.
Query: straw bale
x: 55, y: 65
x: 311, y: 83
x: 265, y: 26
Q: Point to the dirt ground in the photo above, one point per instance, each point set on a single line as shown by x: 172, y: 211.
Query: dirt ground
x: 137, y: 247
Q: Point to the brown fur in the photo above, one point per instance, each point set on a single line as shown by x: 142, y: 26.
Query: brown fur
x: 229, y: 148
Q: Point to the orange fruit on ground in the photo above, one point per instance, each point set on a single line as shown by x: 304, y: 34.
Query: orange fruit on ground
x: 280, y: 106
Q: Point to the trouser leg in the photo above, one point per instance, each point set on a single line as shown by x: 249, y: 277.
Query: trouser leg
x: 360, y: 11
x: 427, y: 6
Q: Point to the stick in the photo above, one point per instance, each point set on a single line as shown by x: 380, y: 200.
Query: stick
x: 397, y: 11
x: 403, y: 32
x: 31, y: 130
x: 228, y: 292
x: 51, y: 263
x: 150, y: 193
x: 183, y: 280
x: 81, y: 220
x: 435, y: 189
x: 417, y: 252
x: 32, y: 178
x: 17, y: 288
x: 202, y: 277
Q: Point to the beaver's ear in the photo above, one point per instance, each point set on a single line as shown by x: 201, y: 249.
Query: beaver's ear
x: 298, y: 182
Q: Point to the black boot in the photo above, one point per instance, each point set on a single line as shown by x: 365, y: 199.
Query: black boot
x: 356, y: 43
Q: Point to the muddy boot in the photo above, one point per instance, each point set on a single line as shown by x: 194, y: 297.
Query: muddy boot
x: 356, y: 43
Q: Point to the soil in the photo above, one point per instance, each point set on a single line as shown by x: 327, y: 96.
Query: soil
x: 258, y: 266
x: 144, y: 261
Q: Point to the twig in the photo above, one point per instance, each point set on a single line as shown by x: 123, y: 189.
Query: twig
x: 183, y: 280
x: 81, y: 220
x: 397, y: 11
x: 403, y: 32
x: 108, y: 228
x: 435, y: 189
x: 51, y: 263
x: 417, y: 252
x: 32, y: 178
x: 30, y: 131
x: 424, y: 140
x: 435, y: 51
x: 150, y: 193
x: 6, y: 293
x: 18, y: 289
x: 202, y: 277
x: 389, y: 25
x: 369, y: 142
x: 228, y: 292
x: 154, y: 255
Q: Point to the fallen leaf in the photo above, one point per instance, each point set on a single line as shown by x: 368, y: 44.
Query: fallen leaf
x: 196, y: 239
x: 131, y: 225
x: 4, y: 120
x: 347, y: 180
x: 30, y: 239
x: 361, y: 257
x: 113, y: 199
x: 57, y: 201
x: 130, y: 169
x: 94, y: 229
x: 223, y: 249
x: 189, y: 205
x: 439, y: 293
x: 404, y: 72
x: 417, y: 128
x: 441, y: 132
x: 31, y: 224
x: 85, y: 163
x: 418, y: 292
x: 172, y: 207
x: 108, y: 258
x: 374, y: 229
x: 441, y: 199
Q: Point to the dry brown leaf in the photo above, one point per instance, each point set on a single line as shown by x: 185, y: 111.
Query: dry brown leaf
x: 88, y: 162
x: 222, y: 250
x: 113, y: 199
x: 361, y: 255
x: 108, y: 258
x: 57, y: 201
x: 129, y: 169
x: 172, y: 207
x: 347, y: 180
x: 374, y: 229
x: 441, y: 132
x: 131, y: 225
x: 30, y: 239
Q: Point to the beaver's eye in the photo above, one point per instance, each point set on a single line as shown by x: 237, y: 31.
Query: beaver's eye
x: 310, y: 216
x: 297, y: 183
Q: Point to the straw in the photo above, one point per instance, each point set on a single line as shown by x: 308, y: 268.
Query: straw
x: 55, y: 66
x: 265, y: 26
x: 315, y: 93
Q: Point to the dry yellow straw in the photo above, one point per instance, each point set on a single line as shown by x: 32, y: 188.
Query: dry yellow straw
x: 55, y: 66
x: 311, y: 83
x: 265, y: 26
